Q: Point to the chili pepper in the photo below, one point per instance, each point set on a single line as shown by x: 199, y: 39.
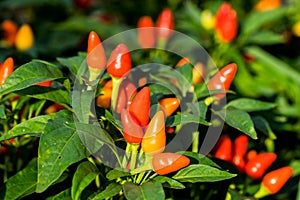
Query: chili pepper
x: 182, y: 62
x: 154, y: 140
x: 104, y: 99
x: 140, y: 106
x: 226, y: 23
x: 126, y: 91
x: 165, y: 24
x: 133, y: 133
x: 222, y: 80
x: 224, y: 148
x: 6, y: 69
x: 198, y: 73
x: 170, y: 130
x: 10, y: 30
x: 24, y: 38
x: 264, y: 5
x: 207, y: 19
x: 169, y: 105
x: 240, y: 146
x: 54, y: 108
x: 273, y: 181
x: 165, y: 163
x: 119, y: 63
x: 96, y: 58
x: 45, y: 83
x: 251, y: 154
x: 146, y: 32
x: 257, y: 166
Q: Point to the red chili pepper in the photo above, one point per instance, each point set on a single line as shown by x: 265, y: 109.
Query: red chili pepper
x: 45, y: 83
x: 165, y: 24
x: 226, y: 23
x: 126, y: 91
x: 83, y: 3
x: 251, y: 154
x: 273, y: 181
x: 146, y: 32
x: 140, y: 106
x: 165, y: 163
x: 223, y: 79
x: 96, y: 58
x: 119, y: 63
x: 240, y: 147
x: 169, y: 105
x: 224, y: 148
x: 133, y: 133
x: 154, y: 140
x: 257, y: 166
x: 6, y: 69
x: 10, y: 30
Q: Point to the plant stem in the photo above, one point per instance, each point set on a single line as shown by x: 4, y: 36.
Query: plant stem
x: 195, y: 144
x: 134, y: 150
x: 115, y: 90
x: 126, y: 156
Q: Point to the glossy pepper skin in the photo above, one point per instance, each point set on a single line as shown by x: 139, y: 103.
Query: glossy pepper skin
x: 273, y: 181
x: 169, y: 105
x: 24, y: 38
x: 133, y: 133
x: 119, y: 63
x: 224, y: 148
x: 104, y: 99
x: 165, y: 163
x: 240, y: 147
x: 126, y: 91
x: 154, y: 140
x: 140, y: 106
x: 223, y: 79
x: 257, y: 166
x: 226, y: 23
x: 165, y: 24
x: 146, y: 32
x: 6, y: 69
x: 96, y: 58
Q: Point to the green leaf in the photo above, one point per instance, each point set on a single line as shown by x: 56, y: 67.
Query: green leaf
x: 201, y: 173
x: 81, y: 103
x: 262, y: 124
x: 60, y: 146
x: 86, y: 172
x: 250, y: 105
x: 64, y: 195
x: 115, y: 173
x: 184, y: 119
x: 234, y: 195
x: 34, y: 127
x: 21, y: 184
x: 55, y: 95
x: 239, y: 120
x: 202, y: 159
x: 2, y: 112
x: 171, y: 183
x: 147, y: 191
x: 274, y: 63
x: 110, y: 191
x: 186, y: 71
x: 256, y: 20
x: 72, y: 63
x: 30, y: 74
x: 266, y: 37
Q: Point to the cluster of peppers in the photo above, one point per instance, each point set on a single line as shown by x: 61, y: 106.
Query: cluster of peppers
x: 22, y: 38
x: 253, y: 164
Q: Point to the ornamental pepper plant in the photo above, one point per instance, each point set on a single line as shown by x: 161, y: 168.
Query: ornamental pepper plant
x: 152, y: 100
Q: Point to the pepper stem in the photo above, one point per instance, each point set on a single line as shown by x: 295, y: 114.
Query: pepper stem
x: 134, y: 150
x: 262, y: 192
x: 126, y: 156
x: 115, y: 90
x: 195, y: 144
